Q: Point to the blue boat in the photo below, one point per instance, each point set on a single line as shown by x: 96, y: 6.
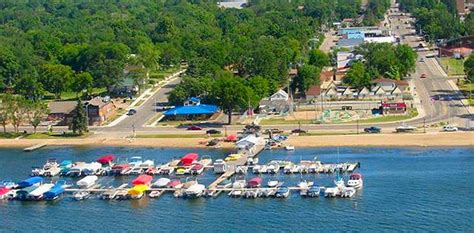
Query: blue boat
x: 30, y: 182
x: 54, y: 192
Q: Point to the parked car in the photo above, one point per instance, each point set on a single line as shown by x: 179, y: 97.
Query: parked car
x: 372, y: 129
x: 422, y: 60
x: 194, y: 127
x: 298, y: 131
x: 274, y: 130
x: 213, y: 131
x: 450, y: 128
x: 423, y: 76
x: 131, y: 112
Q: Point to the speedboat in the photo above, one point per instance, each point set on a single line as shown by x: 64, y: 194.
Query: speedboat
x: 348, y: 192
x: 255, y: 182
x: 289, y: 148
x: 252, y: 193
x: 304, y: 186
x: 155, y: 194
x: 273, y: 167
x: 355, y: 181
x: 135, y: 161
x: 81, y: 195
x: 196, y: 190
x: 162, y: 182
x: 181, y: 171
x: 272, y: 183
x: 313, y: 191
x: 236, y: 193
x: 252, y: 161
x: 197, y: 169
x: 282, y: 192
x: 239, y: 184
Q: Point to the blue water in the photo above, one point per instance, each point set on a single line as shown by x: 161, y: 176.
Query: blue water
x: 415, y: 189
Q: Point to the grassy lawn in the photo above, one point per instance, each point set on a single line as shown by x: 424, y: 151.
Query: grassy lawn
x: 411, y: 113
x: 54, y: 136
x: 281, y: 121
x: 161, y: 74
x: 72, y: 95
x: 9, y: 135
x: 177, y: 135
x: 467, y: 89
x: 454, y: 66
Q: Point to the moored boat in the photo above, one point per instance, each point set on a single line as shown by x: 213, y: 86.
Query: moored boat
x: 196, y: 190
x: 138, y: 191
x: 197, y: 169
x: 355, y: 181
x: 313, y: 191
x: 161, y: 182
x: 54, y: 192
x: 81, y: 195
x: 255, y: 182
x: 87, y: 181
x: 282, y: 192
x: 37, y: 194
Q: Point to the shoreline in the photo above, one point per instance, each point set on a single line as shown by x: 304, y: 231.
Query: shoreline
x: 361, y: 140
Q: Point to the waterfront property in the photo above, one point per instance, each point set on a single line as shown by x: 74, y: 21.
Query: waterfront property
x: 192, y: 109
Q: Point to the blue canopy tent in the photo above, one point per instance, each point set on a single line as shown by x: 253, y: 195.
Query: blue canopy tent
x: 54, y: 192
x: 202, y: 109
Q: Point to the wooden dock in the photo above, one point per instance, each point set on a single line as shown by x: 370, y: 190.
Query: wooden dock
x: 35, y: 147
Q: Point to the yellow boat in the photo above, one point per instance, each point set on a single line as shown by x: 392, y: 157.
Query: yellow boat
x: 137, y: 191
x: 233, y: 157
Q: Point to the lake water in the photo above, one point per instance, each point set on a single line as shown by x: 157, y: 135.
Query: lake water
x: 414, y: 189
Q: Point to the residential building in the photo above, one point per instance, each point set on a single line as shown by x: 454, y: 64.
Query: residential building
x: 278, y: 103
x: 99, y: 110
x: 237, y: 4
x: 61, y: 112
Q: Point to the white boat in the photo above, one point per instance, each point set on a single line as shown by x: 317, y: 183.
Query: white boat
x: 252, y: 193
x: 236, y: 193
x: 313, y: 191
x: 135, y: 161
x: 272, y: 183
x: 355, y: 181
x: 220, y: 166
x: 155, y: 194
x: 289, y: 148
x: 273, y: 167
x: 87, y: 181
x: 288, y: 168
x: 348, y: 192
x: 52, y: 171
x: 162, y: 182
x: 331, y: 192
x: 295, y: 169
x: 137, y: 170
x: 239, y: 184
x: 196, y: 190
x: 405, y: 128
x: 241, y: 169
x: 252, y: 161
x: 304, y: 186
x: 282, y: 192
x: 81, y: 195
x: 256, y: 168
x: 37, y: 194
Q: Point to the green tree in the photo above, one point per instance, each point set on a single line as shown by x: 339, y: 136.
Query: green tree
x: 260, y: 87
x: 9, y: 67
x: 37, y: 111
x: 56, y: 78
x: 6, y: 102
x: 19, y: 111
x: 469, y: 67
x: 308, y: 75
x: 82, y: 82
x: 29, y: 87
x: 357, y: 77
x: 407, y: 58
x: 230, y: 94
x: 318, y: 58
x: 79, y: 121
x: 149, y: 56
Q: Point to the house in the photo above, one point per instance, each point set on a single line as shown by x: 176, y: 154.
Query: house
x: 460, y: 47
x: 280, y: 102
x: 236, y: 4
x: 390, y: 84
x: 61, y: 112
x: 99, y: 110
x: 313, y: 92
x: 345, y: 59
x: 192, y: 109
x: 363, y: 93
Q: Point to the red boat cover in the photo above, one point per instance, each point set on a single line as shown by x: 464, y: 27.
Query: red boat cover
x: 255, y: 182
x: 189, y: 159
x: 174, y: 183
x: 106, y: 159
x: 232, y: 138
x: 120, y: 166
x: 4, y: 190
x: 356, y: 176
x: 143, y: 180
x: 197, y: 166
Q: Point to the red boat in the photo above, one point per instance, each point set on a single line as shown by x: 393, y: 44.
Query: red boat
x: 106, y: 159
x: 197, y: 169
x: 255, y: 182
x: 119, y: 169
x: 3, y: 192
x: 142, y: 180
x: 151, y: 171
x: 189, y: 159
x: 174, y: 183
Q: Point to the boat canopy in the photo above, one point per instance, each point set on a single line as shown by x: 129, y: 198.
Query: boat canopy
x: 55, y: 191
x: 142, y: 180
x: 255, y: 182
x: 40, y: 190
x: 138, y: 189
x: 30, y: 181
x: 4, y: 190
x: 189, y: 159
x: 120, y: 166
x: 106, y: 159
x: 25, y: 191
x: 65, y: 163
x: 162, y: 182
x: 355, y: 176
x: 174, y: 183
x: 87, y: 181
x: 197, y: 167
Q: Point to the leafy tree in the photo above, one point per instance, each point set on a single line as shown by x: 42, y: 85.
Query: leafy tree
x: 29, y: 87
x: 469, y: 24
x: 79, y: 121
x: 18, y: 111
x: 6, y: 102
x: 308, y: 75
x: 230, y: 94
x: 149, y: 56
x: 37, y: 111
x: 469, y: 67
x: 82, y: 82
x: 260, y: 87
x: 56, y: 78
x: 9, y: 67
x: 139, y: 77
x: 407, y: 58
x: 318, y: 58
x: 357, y: 77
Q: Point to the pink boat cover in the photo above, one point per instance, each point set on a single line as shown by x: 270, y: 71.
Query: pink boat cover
x: 142, y: 179
x: 255, y: 182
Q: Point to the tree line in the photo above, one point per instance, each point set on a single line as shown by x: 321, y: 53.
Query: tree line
x: 438, y: 19
x: 17, y: 110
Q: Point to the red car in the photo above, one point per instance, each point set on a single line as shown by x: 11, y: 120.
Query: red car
x: 423, y: 76
x: 194, y: 127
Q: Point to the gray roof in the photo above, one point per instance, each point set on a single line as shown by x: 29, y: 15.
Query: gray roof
x: 350, y: 42
x: 64, y: 107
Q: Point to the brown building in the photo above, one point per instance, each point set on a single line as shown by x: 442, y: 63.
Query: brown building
x: 461, y: 47
x: 460, y: 6
x: 61, y: 112
x: 99, y: 110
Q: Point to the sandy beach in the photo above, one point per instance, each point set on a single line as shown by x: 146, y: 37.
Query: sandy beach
x: 392, y: 140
